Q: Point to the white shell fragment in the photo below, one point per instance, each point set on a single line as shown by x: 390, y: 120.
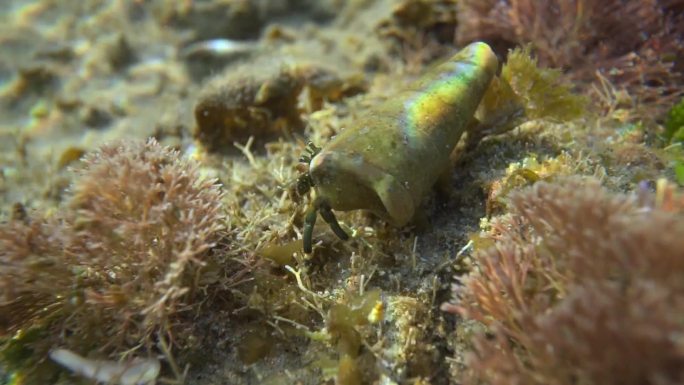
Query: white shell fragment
x: 219, y: 48
x: 134, y: 372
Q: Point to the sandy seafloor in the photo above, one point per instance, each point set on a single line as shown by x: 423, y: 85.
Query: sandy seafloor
x: 76, y: 74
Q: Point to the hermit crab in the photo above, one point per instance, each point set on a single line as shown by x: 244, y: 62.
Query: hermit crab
x: 394, y: 153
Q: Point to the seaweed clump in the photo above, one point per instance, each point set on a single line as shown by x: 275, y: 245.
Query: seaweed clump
x: 525, y: 91
x: 635, y: 44
x: 579, y: 286
x: 674, y: 124
x: 673, y: 138
x: 118, y: 267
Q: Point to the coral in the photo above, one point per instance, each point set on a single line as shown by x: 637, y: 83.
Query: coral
x: 635, y: 44
x: 580, y: 286
x: 119, y: 265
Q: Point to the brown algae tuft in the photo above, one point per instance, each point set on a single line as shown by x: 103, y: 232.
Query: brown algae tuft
x: 117, y: 266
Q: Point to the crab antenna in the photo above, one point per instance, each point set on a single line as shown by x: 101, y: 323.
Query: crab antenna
x: 329, y: 217
x: 310, y: 151
x: 309, y: 222
x: 312, y: 148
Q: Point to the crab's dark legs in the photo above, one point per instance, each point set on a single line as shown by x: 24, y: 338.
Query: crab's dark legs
x: 310, y: 221
x: 330, y: 219
x: 304, y: 183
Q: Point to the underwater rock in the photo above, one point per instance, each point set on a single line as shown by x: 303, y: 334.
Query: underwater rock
x: 32, y: 81
x: 118, y: 52
x: 240, y: 19
x: 324, y: 84
x: 262, y: 101
x: 243, y: 19
x: 234, y: 106
x: 422, y: 29
x: 95, y: 117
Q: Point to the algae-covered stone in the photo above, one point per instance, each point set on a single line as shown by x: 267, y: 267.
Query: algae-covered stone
x: 262, y: 100
x: 234, y: 106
